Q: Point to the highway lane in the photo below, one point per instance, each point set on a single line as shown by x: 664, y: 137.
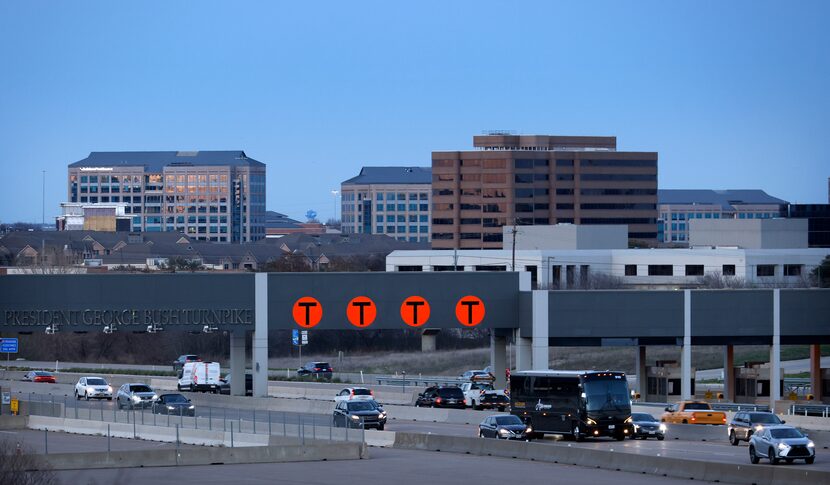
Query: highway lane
x: 404, y: 467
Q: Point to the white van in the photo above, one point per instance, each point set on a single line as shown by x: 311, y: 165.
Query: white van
x: 200, y: 376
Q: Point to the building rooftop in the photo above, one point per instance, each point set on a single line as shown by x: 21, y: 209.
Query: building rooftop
x: 392, y: 175
x: 156, y: 161
x: 727, y: 199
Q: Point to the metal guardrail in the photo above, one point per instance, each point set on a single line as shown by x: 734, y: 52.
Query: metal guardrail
x: 822, y: 410
x: 417, y: 381
x: 717, y: 406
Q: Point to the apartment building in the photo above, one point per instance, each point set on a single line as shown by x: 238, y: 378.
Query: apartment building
x: 540, y: 180
x: 394, y: 201
x: 208, y: 195
x: 678, y: 207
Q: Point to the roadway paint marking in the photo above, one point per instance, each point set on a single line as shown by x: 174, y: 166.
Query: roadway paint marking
x: 469, y: 311
x: 307, y: 312
x: 361, y: 311
x: 415, y: 311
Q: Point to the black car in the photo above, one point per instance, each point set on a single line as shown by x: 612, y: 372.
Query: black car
x: 175, y: 404
x: 441, y: 397
x: 494, y: 401
x: 179, y: 363
x: 225, y: 384
x: 745, y: 423
x: 505, y: 427
x: 353, y: 414
x: 318, y: 370
x: 647, y: 426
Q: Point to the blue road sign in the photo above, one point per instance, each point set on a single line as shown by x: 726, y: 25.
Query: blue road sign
x: 8, y: 345
x: 295, y: 337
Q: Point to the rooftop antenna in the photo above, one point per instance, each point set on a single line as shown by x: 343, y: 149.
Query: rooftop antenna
x: 43, y: 201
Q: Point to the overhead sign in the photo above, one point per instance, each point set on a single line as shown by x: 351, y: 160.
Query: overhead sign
x: 361, y: 311
x: 307, y: 312
x: 469, y: 311
x: 8, y: 345
x: 415, y: 311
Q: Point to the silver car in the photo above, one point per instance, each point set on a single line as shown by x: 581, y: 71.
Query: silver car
x: 135, y: 395
x: 781, y: 443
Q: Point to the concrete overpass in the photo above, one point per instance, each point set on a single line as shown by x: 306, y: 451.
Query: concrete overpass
x: 250, y: 304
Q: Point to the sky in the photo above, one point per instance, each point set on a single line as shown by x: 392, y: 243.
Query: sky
x: 733, y: 95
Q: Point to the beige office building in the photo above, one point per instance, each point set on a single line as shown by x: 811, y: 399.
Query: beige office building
x: 539, y: 180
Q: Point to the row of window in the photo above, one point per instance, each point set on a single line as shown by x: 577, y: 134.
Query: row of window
x: 389, y: 196
x: 401, y: 229
x: 761, y: 270
x: 401, y: 218
x: 523, y: 163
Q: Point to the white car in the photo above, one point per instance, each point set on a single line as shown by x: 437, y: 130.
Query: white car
x: 354, y: 394
x: 93, y: 387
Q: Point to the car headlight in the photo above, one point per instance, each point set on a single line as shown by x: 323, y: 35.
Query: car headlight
x: 171, y: 407
x: 783, y: 446
x: 636, y: 427
x: 136, y: 399
x: 662, y: 427
x: 590, y: 421
x: 758, y: 428
x: 155, y: 397
x: 382, y: 414
x: 529, y: 430
x: 90, y: 389
x: 810, y: 444
x: 192, y: 406
x: 109, y: 388
x: 356, y: 418
x: 503, y: 432
x: 629, y: 420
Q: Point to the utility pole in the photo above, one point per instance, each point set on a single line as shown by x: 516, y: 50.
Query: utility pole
x: 515, y: 230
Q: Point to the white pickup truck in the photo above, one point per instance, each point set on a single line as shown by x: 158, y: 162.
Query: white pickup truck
x: 482, y: 395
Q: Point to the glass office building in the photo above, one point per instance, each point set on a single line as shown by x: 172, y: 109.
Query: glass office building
x: 209, y: 195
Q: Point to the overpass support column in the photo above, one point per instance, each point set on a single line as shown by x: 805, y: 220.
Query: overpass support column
x: 815, y: 371
x: 686, y: 350
x: 642, y: 380
x: 238, y: 338
x: 729, y: 373
x: 539, y: 359
x: 428, y: 339
x: 260, y: 338
x: 775, y: 351
x: 523, y: 353
x: 498, y: 358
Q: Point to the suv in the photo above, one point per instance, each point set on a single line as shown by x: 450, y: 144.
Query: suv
x: 441, y: 397
x: 355, y: 394
x: 225, y: 384
x: 781, y: 443
x: 179, y: 363
x: 353, y: 414
x: 744, y: 424
x: 89, y: 387
x: 135, y: 395
x: 316, y: 369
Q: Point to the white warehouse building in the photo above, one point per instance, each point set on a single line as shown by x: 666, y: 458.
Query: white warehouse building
x: 629, y: 268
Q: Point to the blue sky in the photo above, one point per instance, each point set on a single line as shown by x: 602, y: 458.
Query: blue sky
x: 731, y: 94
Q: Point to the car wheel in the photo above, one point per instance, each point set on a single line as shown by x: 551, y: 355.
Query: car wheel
x: 86, y: 395
x: 773, y: 460
x: 501, y: 409
x: 179, y: 387
x: 733, y: 439
x: 480, y: 434
x: 381, y: 426
x: 810, y: 460
x: 752, y: 456
x: 685, y: 422
x: 661, y: 438
x: 577, y: 434
x: 788, y: 460
x: 77, y: 396
x: 619, y: 436
x: 109, y: 398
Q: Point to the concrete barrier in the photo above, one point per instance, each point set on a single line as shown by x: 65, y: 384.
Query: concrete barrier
x: 14, y: 422
x: 614, y: 460
x: 206, y: 456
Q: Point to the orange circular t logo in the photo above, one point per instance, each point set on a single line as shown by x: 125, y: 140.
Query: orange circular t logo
x: 307, y: 312
x: 469, y: 311
x: 415, y: 311
x: 361, y: 311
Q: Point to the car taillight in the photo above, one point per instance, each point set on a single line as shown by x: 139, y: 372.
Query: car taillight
x: 371, y: 392
x: 437, y: 399
x: 724, y: 419
x: 316, y: 368
x: 693, y: 418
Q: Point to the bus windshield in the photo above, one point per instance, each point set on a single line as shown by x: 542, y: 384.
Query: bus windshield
x: 603, y: 395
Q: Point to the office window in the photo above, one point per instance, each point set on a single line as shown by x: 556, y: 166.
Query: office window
x: 402, y: 207
x: 424, y: 229
x: 708, y: 215
x: 716, y: 216
x: 792, y: 270
x: 660, y: 270
x: 423, y: 218
x: 423, y: 207
x: 379, y: 229
x: 728, y: 270
x: 631, y: 270
x: 765, y: 270
x: 379, y: 196
x: 694, y: 270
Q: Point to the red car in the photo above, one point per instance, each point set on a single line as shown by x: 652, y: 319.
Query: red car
x: 39, y: 376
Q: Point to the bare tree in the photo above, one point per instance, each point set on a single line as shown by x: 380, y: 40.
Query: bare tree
x: 20, y: 467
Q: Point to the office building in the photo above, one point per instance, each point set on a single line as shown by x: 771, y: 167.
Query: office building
x: 677, y: 207
x: 540, y: 180
x: 208, y: 195
x: 775, y: 233
x: 394, y: 201
x: 109, y: 217
x: 818, y: 222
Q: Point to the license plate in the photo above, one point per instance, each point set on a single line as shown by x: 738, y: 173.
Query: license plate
x: 652, y: 432
x: 610, y: 426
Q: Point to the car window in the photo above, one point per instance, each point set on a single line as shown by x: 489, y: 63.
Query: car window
x: 96, y: 382
x: 362, y: 392
x: 82, y: 382
x: 361, y: 406
x: 765, y: 418
x: 508, y: 420
x: 697, y: 405
x: 783, y: 433
x: 450, y: 392
x: 175, y: 398
x: 140, y: 388
x: 643, y: 417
